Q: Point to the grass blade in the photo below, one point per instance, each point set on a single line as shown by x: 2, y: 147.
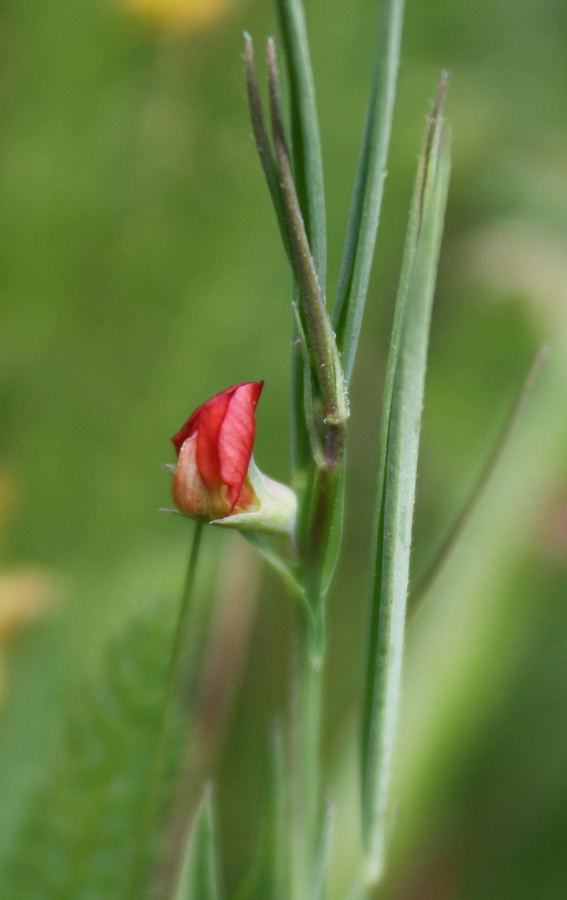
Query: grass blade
x: 396, y: 488
x: 425, y: 166
x: 307, y: 162
x: 199, y: 877
x: 307, y: 159
x: 367, y: 195
x: 262, y: 141
x: 317, y: 326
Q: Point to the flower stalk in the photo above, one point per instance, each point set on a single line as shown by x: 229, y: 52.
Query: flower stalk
x: 155, y: 773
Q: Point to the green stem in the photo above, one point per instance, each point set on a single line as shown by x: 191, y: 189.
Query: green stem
x: 157, y: 762
x: 308, y: 709
x: 319, y: 548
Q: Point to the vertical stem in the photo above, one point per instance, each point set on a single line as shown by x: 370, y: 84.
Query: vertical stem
x: 318, y: 553
x: 157, y: 761
x: 308, y: 709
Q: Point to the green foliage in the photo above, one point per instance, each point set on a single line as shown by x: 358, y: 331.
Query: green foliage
x: 78, y: 837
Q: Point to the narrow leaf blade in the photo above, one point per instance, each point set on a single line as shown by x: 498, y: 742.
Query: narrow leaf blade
x: 262, y: 141
x: 307, y: 164
x: 368, y: 189
x: 396, y: 496
x: 306, y: 142
x: 426, y: 165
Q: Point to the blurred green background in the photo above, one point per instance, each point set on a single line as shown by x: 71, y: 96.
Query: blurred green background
x: 141, y: 272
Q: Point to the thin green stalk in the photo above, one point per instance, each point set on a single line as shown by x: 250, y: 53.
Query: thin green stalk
x: 155, y: 773
x: 369, y: 185
x: 307, y: 787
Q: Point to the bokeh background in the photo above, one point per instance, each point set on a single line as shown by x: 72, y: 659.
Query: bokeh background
x: 141, y: 272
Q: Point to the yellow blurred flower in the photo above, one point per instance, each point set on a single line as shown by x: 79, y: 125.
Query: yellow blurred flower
x: 26, y: 593
x: 25, y: 596
x: 179, y: 15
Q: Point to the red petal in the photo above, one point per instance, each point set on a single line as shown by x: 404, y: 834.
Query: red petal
x: 192, y: 422
x: 236, y: 437
x: 225, y: 430
x: 179, y: 439
x: 209, y: 424
x: 189, y: 493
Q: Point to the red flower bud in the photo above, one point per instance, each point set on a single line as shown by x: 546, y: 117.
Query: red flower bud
x: 215, y: 477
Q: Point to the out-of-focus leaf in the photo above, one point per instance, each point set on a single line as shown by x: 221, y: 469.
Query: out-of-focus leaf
x: 78, y: 837
x: 199, y: 878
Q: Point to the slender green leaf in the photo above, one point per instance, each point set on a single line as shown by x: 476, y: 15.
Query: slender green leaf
x: 262, y: 141
x: 199, y: 877
x: 508, y: 429
x: 306, y: 142
x: 307, y: 166
x: 367, y: 195
x: 426, y: 166
x: 396, y: 490
x: 319, y: 335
